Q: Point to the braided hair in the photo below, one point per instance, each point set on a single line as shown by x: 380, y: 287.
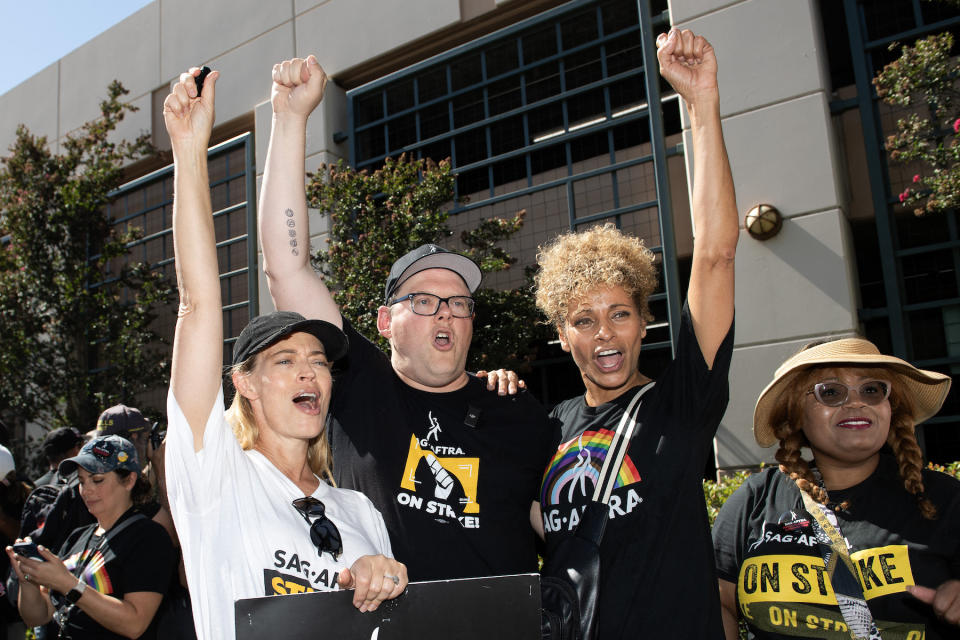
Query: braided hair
x: 787, y: 418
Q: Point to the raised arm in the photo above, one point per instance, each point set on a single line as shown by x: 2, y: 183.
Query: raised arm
x: 198, y: 342
x: 298, y: 87
x: 689, y: 64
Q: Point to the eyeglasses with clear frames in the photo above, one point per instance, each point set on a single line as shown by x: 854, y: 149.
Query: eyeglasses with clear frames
x: 835, y: 394
x: 427, y: 304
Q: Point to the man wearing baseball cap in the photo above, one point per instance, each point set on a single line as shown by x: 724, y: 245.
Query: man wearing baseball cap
x: 453, y: 468
x: 126, y: 422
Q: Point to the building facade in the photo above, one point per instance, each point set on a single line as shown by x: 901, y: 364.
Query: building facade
x: 544, y: 105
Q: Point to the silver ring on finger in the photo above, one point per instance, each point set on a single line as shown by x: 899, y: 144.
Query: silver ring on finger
x: 26, y: 577
x: 396, y: 579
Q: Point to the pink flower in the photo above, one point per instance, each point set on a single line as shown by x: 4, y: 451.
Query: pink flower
x: 916, y: 178
x: 904, y: 195
x: 956, y: 125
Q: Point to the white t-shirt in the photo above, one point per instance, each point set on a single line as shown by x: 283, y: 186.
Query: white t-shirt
x: 240, y: 534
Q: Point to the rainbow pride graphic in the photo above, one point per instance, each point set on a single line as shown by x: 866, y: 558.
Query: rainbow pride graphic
x: 575, y: 467
x: 95, y: 571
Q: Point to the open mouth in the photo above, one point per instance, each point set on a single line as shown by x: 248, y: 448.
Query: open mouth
x: 442, y: 340
x: 609, y: 359
x: 308, y: 402
x: 855, y: 423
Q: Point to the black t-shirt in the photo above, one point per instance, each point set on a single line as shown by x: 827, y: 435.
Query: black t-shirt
x: 656, y: 564
x: 455, y: 496
x: 141, y: 557
x: 765, y: 546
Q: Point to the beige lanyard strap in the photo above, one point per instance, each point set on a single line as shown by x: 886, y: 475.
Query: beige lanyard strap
x: 843, y: 573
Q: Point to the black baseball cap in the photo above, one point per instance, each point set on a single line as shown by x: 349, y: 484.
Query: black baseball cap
x: 121, y: 420
x: 264, y: 330
x: 431, y: 256
x: 60, y: 441
x: 103, y: 454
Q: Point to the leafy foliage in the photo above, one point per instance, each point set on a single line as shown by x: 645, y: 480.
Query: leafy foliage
x: 923, y: 79
x: 74, y: 318
x: 952, y: 469
x: 376, y: 217
x: 716, y: 493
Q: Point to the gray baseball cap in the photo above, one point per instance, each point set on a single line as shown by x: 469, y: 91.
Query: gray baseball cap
x: 431, y: 256
x: 102, y: 455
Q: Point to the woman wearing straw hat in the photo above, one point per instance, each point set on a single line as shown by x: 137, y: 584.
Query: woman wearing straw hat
x: 861, y: 541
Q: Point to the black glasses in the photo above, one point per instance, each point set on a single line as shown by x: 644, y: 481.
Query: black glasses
x: 427, y: 304
x: 323, y: 532
x: 834, y: 394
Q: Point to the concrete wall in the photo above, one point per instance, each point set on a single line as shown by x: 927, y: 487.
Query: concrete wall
x: 800, y: 284
x: 241, y: 38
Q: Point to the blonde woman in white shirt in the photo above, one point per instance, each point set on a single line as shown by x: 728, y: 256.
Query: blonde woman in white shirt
x: 248, y: 487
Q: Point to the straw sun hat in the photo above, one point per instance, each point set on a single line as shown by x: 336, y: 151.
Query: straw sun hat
x: 927, y: 388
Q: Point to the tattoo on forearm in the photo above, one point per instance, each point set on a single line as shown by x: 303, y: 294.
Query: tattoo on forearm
x: 292, y: 231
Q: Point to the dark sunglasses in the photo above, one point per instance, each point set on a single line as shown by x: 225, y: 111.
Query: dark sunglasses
x: 834, y: 394
x: 323, y: 532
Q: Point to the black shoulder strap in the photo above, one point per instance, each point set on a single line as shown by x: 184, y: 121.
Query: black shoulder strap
x: 117, y: 528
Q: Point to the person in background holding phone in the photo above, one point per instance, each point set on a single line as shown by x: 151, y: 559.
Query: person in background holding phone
x: 68, y: 511
x: 108, y: 579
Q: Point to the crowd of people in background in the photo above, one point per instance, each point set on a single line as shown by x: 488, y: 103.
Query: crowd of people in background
x: 124, y: 537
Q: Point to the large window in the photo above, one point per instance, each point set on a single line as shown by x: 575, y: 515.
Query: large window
x: 908, y: 266
x: 147, y: 203
x: 550, y: 115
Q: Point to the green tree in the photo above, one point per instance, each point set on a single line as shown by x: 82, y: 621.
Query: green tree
x: 923, y: 80
x: 74, y: 313
x: 376, y: 217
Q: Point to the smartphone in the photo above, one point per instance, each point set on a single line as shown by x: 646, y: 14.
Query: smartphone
x: 28, y: 550
x: 157, y: 434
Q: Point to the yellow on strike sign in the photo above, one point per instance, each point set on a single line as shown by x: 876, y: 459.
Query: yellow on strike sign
x: 801, y: 578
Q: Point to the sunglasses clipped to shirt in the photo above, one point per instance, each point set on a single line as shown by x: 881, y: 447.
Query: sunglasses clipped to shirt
x: 835, y: 394
x: 323, y: 533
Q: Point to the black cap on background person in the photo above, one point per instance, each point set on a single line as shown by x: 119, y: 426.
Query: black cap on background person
x: 121, y: 420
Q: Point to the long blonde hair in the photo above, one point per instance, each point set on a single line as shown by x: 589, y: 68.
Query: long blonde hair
x: 241, y: 419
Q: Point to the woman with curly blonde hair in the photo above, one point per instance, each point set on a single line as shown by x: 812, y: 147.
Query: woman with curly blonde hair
x: 896, y: 524
x: 594, y: 287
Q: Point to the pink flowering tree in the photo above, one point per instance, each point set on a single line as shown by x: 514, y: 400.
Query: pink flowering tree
x: 923, y: 80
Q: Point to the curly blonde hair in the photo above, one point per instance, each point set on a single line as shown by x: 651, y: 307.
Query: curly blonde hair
x: 574, y: 264
x: 903, y: 442
x: 241, y: 419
